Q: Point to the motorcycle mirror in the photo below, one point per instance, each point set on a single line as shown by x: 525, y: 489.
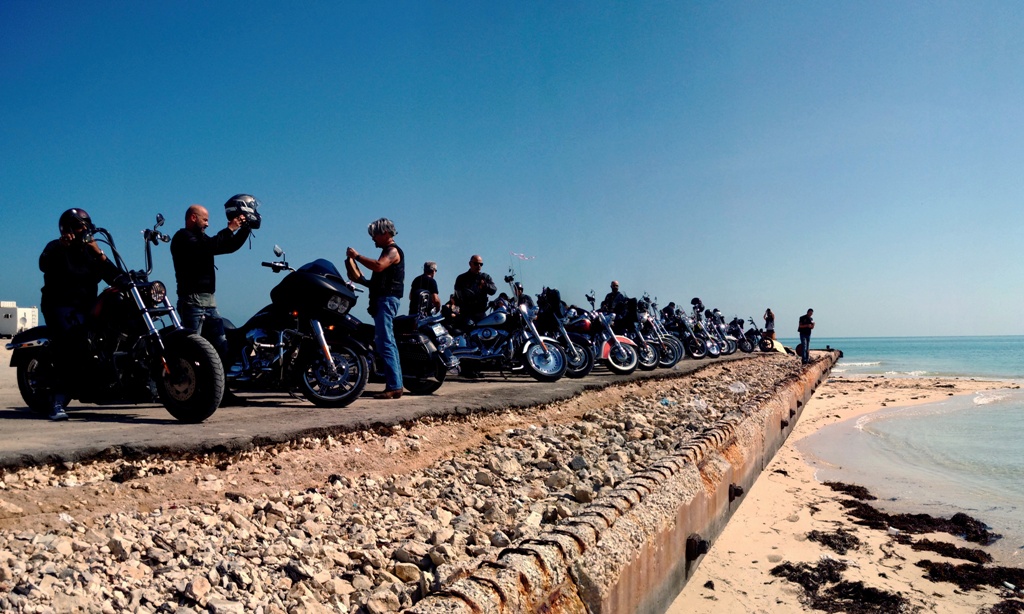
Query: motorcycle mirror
x: 278, y: 251
x: 159, y: 220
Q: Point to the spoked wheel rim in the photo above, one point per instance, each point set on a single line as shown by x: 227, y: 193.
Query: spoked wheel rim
x: 548, y: 362
x: 322, y: 382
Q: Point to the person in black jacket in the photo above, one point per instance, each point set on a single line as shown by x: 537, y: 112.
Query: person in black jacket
x: 424, y: 283
x: 72, y: 267
x: 193, y: 251
x: 472, y: 289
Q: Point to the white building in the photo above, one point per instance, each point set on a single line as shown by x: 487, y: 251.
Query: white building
x: 14, y: 319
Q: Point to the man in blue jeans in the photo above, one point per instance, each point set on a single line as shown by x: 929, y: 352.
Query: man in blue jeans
x: 804, y: 328
x: 387, y: 286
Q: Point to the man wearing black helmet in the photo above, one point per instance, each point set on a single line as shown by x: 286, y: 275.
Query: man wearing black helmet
x: 387, y: 286
x: 193, y: 251
x: 72, y: 267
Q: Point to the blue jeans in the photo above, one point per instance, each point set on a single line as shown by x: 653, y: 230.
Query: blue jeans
x: 206, y: 321
x: 384, y: 339
x: 806, y: 341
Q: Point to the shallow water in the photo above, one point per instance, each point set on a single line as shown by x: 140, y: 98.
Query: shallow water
x: 962, y: 454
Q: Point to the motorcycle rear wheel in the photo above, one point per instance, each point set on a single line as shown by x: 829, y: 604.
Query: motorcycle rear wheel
x: 622, y: 360
x: 545, y: 366
x: 582, y: 365
x: 647, y: 357
x: 32, y: 382
x: 425, y: 385
x: 324, y: 389
x: 192, y: 388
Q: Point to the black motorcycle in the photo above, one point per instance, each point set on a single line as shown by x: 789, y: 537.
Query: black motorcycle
x: 628, y: 323
x: 751, y: 338
x: 285, y: 346
x: 507, y: 339
x: 551, y: 321
x: 424, y: 346
x: 135, y: 349
x: 307, y: 339
x: 681, y: 326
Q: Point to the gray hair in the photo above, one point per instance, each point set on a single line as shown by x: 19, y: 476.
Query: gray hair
x: 383, y: 226
x: 429, y: 266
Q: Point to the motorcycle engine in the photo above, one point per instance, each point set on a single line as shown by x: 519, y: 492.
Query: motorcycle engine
x: 486, y: 337
x: 262, y: 350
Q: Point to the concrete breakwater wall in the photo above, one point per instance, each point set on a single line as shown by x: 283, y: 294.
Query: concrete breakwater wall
x: 633, y: 548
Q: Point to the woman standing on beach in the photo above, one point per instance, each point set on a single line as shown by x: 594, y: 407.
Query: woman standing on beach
x: 769, y: 323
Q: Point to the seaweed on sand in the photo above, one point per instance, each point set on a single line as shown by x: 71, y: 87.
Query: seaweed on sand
x: 857, y: 492
x: 971, y: 576
x: 952, y: 551
x: 960, y: 524
x: 1007, y: 606
x: 840, y: 541
x: 826, y: 590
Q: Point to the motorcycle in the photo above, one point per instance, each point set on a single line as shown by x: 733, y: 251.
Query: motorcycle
x: 670, y: 349
x: 617, y: 351
x: 627, y: 323
x: 702, y: 329
x: 424, y: 347
x: 137, y: 350
x: 285, y: 345
x: 307, y: 339
x: 507, y: 339
x: 752, y: 338
x: 680, y: 326
x: 716, y: 323
x: 551, y: 322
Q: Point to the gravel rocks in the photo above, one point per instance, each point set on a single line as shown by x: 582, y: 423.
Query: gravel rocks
x: 369, y: 543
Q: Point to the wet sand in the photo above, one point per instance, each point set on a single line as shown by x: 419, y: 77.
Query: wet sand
x: 771, y: 526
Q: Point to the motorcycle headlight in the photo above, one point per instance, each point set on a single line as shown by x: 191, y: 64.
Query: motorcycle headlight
x: 156, y: 293
x: 339, y: 304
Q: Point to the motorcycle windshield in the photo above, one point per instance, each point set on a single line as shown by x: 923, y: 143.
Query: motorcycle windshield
x: 320, y: 266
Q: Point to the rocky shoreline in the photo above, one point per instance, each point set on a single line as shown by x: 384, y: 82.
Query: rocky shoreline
x: 357, y: 540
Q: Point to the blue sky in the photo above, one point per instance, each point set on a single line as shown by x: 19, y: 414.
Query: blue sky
x: 860, y: 158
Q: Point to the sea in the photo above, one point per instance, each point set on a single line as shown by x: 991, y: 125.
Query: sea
x: 962, y: 454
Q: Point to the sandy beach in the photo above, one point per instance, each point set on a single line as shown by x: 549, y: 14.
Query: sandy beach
x: 787, y: 503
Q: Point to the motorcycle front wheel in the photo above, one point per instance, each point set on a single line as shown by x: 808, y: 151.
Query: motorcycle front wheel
x: 671, y: 352
x: 544, y: 366
x: 765, y: 344
x: 582, y: 365
x: 746, y: 346
x: 33, y: 382
x: 325, y: 388
x: 647, y: 357
x: 192, y: 384
x: 730, y: 347
x: 696, y: 348
x: 714, y: 350
x: 622, y: 360
x: 425, y: 385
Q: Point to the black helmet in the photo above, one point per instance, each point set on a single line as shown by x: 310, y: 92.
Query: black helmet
x: 243, y: 204
x: 696, y: 301
x: 76, y: 222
